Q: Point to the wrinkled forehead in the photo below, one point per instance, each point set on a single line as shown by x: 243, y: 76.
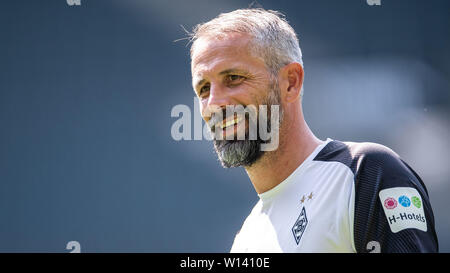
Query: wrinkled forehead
x: 207, y: 50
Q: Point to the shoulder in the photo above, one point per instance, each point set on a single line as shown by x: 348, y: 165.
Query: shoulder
x: 371, y: 163
x: 350, y: 153
x: 381, y: 180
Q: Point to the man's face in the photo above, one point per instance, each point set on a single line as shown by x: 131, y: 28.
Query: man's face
x: 225, y: 73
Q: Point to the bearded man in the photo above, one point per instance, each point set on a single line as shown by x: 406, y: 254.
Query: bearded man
x: 314, y: 195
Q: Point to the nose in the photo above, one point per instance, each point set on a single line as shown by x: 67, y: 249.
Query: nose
x: 217, y: 101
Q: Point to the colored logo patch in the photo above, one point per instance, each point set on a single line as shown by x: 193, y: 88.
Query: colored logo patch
x: 390, y: 203
x: 404, y: 201
x: 400, y: 215
x: 416, y: 202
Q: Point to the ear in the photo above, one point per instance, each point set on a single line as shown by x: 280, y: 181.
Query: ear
x: 290, y: 79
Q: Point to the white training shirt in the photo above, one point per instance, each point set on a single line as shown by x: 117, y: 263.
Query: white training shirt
x: 313, y: 210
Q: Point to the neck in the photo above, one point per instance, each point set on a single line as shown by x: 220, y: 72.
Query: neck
x: 294, y: 147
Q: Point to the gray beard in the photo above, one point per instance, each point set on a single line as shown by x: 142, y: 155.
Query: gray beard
x: 236, y: 153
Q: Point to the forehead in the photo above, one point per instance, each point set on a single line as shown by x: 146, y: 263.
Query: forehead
x: 213, y: 54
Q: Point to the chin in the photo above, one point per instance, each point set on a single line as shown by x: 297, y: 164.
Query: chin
x: 238, y: 153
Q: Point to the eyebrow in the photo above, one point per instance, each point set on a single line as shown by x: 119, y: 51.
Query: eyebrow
x: 224, y: 72
x: 233, y: 70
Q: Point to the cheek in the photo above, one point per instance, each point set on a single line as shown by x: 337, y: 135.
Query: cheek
x: 257, y: 95
x: 246, y: 94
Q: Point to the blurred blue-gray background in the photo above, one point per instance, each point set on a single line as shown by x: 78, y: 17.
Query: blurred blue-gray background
x: 86, y: 92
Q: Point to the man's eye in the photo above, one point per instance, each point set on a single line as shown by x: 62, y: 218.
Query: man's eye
x: 235, y: 78
x: 205, y: 88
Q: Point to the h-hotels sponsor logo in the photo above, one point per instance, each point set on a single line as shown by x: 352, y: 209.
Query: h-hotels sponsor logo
x: 403, y: 208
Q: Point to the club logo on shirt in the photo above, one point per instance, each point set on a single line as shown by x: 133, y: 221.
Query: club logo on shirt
x: 399, y: 212
x: 300, y: 225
